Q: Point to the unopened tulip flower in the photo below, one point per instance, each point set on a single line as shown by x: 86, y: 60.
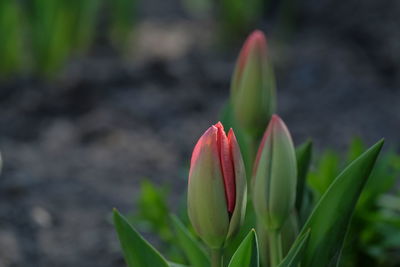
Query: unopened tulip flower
x: 275, y: 176
x: 253, y: 86
x: 217, y: 187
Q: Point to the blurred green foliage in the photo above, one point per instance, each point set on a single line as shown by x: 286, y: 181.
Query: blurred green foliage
x: 238, y: 16
x: 153, y: 217
x: 374, y: 237
x: 38, y: 36
x: 234, y: 17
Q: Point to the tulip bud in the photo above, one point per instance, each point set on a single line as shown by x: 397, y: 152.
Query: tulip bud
x: 253, y: 86
x: 217, y: 187
x: 275, y: 175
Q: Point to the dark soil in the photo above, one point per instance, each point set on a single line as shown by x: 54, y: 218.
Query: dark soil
x: 78, y: 146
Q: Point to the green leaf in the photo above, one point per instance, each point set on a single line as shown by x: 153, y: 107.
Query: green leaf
x: 331, y: 216
x: 194, y: 252
x: 174, y: 264
x: 247, y: 253
x: 137, y: 251
x: 303, y: 156
x: 295, y: 253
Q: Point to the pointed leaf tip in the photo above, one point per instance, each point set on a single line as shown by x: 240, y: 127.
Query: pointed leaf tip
x: 331, y: 216
x: 247, y: 253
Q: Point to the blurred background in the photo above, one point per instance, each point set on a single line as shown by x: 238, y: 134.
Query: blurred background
x: 97, y: 95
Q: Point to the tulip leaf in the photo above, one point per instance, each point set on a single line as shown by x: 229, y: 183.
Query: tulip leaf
x: 331, y: 216
x: 194, y: 252
x: 137, y: 251
x: 303, y: 156
x: 247, y: 253
x: 174, y: 264
x: 296, y: 252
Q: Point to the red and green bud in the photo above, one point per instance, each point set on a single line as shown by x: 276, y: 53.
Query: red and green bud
x: 217, y: 186
x: 275, y: 176
x: 253, y: 86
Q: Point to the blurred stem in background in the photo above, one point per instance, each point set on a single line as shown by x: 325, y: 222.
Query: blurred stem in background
x: 86, y: 22
x: 39, y: 36
x: 235, y: 18
x: 121, y: 21
x: 42, y: 35
x: 11, y: 45
x: 51, y: 27
x: 239, y: 16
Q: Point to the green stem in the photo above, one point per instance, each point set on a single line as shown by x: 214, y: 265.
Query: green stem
x: 252, y: 147
x: 216, y: 257
x: 275, y: 247
x: 262, y: 235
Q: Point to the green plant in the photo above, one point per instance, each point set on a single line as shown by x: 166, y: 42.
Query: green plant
x: 374, y: 237
x: 301, y: 217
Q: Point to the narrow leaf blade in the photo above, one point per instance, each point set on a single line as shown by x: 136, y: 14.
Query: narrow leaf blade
x: 331, y: 216
x: 295, y: 253
x: 137, y: 251
x: 247, y: 253
x: 303, y: 156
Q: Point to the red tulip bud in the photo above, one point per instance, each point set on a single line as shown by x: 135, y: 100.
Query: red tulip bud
x: 217, y: 186
x: 275, y: 175
x: 253, y: 86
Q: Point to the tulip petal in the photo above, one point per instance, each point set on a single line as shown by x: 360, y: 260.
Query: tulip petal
x: 284, y: 168
x: 253, y: 86
x: 255, y: 43
x: 207, y: 206
x: 275, y: 175
x: 227, y: 167
x: 241, y: 185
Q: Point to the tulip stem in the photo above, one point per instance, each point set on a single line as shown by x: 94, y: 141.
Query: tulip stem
x: 252, y: 147
x: 275, y: 247
x: 216, y: 257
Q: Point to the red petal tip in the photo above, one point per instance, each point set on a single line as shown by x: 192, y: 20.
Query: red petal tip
x: 257, y: 36
x: 208, y: 136
x: 219, y: 125
x: 275, y: 118
x: 279, y: 124
x: 255, y: 41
